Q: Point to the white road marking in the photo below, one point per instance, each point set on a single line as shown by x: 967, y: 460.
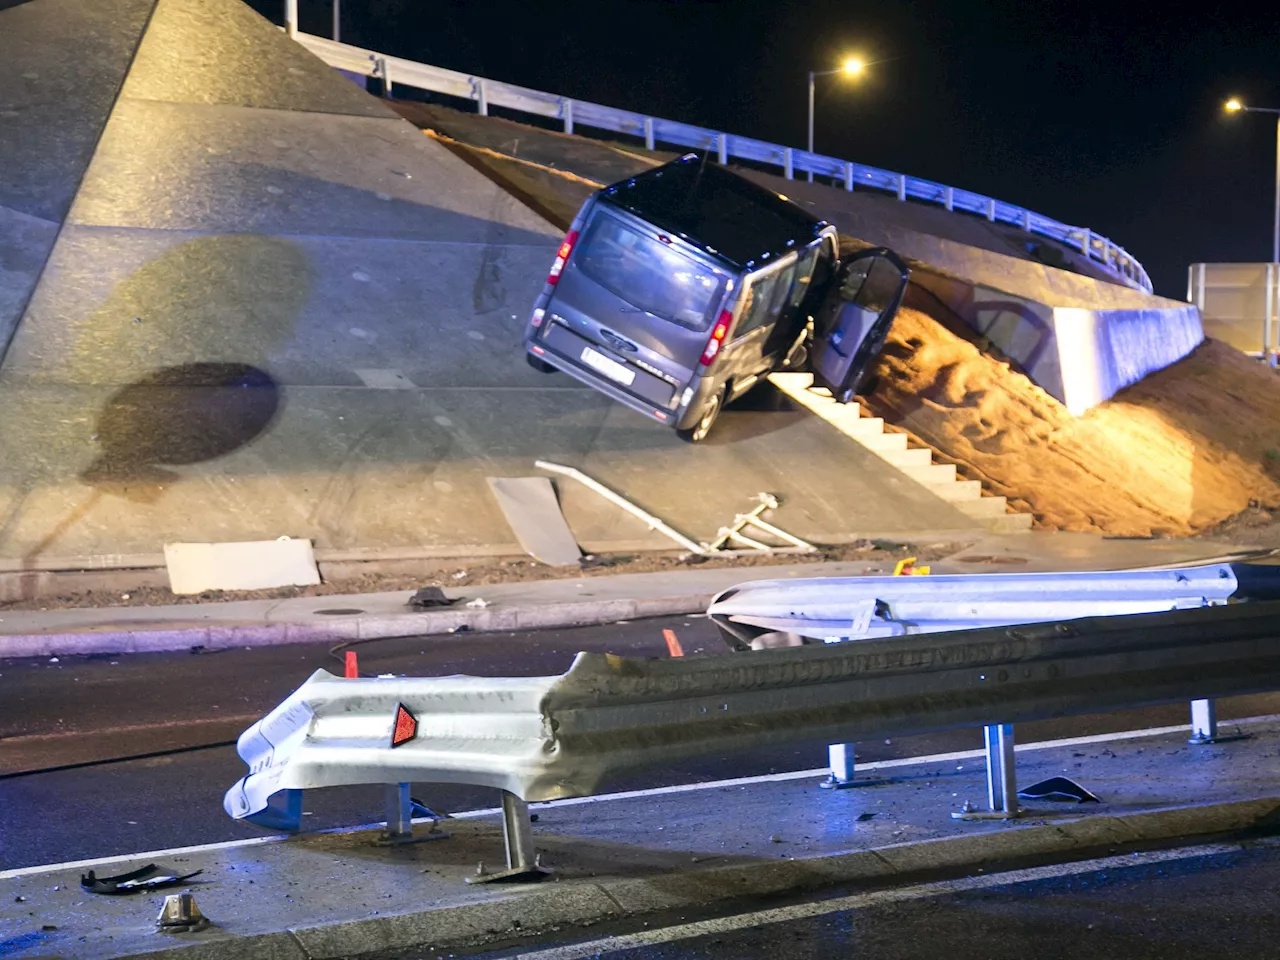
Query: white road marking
x: 652, y: 792
x: 862, y: 901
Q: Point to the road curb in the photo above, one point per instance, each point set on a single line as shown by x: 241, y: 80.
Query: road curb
x: 551, y: 908
x: 495, y: 619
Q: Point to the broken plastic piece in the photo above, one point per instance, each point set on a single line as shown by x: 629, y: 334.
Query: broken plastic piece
x: 1058, y: 788
x: 149, y: 877
x: 431, y: 597
x: 479, y: 603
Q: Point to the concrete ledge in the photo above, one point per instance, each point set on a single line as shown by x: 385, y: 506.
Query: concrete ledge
x: 532, y: 911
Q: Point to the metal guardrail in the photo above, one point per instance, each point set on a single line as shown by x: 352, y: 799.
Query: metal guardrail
x: 546, y: 738
x: 486, y: 93
x: 833, y: 609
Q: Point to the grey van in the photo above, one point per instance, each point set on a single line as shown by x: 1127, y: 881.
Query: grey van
x: 678, y: 290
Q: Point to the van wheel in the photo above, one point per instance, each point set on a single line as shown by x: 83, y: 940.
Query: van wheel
x: 710, y: 413
x: 540, y: 365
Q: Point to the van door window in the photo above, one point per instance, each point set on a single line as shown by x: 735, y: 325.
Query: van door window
x: 648, y: 273
x: 765, y: 300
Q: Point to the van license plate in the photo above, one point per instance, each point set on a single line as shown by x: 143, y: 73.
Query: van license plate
x: 609, y: 367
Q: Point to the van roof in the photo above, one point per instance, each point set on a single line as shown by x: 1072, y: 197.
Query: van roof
x: 717, y: 210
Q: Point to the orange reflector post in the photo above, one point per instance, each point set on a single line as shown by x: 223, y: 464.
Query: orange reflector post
x: 673, y: 643
x: 406, y: 727
x: 349, y: 668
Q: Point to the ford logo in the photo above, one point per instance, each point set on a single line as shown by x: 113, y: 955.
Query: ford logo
x: 617, y: 342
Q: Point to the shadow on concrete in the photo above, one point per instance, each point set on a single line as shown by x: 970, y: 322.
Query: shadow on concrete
x: 178, y: 416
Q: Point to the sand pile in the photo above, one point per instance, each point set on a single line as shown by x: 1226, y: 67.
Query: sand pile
x: 1181, y: 451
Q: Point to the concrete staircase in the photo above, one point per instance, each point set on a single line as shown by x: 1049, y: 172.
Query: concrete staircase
x: 917, y: 464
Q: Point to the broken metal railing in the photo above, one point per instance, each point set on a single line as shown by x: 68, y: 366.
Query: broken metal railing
x: 734, y: 532
x: 547, y: 738
x: 839, y: 609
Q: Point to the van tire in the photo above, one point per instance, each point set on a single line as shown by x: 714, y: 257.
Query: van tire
x: 540, y: 365
x: 706, y: 420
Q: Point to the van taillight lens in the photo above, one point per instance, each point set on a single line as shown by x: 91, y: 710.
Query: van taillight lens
x: 718, y: 332
x: 562, y: 256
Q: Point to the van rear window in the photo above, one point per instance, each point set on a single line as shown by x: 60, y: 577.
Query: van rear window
x: 648, y: 273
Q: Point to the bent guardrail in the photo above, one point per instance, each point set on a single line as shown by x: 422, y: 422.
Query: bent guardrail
x: 655, y: 130
x: 546, y: 738
x: 833, y: 609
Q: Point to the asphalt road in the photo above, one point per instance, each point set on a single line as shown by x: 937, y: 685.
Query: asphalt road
x: 1191, y: 904
x: 131, y: 734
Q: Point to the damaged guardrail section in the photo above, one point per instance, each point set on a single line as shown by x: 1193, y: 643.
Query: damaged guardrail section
x: 547, y: 738
x: 835, y: 609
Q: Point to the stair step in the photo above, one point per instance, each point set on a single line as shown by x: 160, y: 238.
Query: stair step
x: 883, y: 443
x: 934, y: 474
x: 958, y: 492
x: 906, y: 458
x: 1011, y: 523
x: 983, y: 507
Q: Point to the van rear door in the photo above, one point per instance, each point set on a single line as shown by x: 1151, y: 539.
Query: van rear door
x: 855, y: 319
x: 639, y: 295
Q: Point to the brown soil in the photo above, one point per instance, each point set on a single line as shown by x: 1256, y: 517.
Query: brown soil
x: 1177, y: 454
x: 466, y: 575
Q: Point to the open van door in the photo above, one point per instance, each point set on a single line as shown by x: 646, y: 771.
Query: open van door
x: 855, y: 319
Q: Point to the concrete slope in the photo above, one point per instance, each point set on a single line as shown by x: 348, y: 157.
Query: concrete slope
x: 62, y: 65
x: 276, y: 308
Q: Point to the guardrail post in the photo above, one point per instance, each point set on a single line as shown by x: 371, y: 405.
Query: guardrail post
x: 949, y: 198
x: 291, y: 17
x: 523, y: 862
x: 1086, y: 239
x: 991, y: 209
x: 648, y: 133
x: 385, y: 72
x: 902, y: 186
x: 1204, y: 724
x: 722, y: 148
x: 566, y: 109
x: 399, y: 816
x: 399, y: 812
x: 841, y: 758
x: 1002, y: 778
x: 1026, y: 220
x: 482, y: 98
x: 848, y: 175
x: 787, y: 168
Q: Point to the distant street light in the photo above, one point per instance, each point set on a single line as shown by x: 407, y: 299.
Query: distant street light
x: 1234, y: 105
x: 851, y: 67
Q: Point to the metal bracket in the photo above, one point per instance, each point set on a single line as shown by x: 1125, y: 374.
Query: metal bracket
x: 754, y: 520
x: 523, y: 862
x: 1204, y: 725
x: 399, y: 831
x: 1002, y: 778
x: 841, y: 759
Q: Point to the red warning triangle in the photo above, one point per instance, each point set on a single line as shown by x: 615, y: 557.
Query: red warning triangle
x: 406, y: 726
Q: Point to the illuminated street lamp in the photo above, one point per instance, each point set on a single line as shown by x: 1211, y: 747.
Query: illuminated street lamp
x: 1234, y: 105
x: 851, y: 67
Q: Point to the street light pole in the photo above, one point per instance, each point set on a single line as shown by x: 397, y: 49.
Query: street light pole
x: 811, y: 76
x: 851, y: 67
x: 337, y: 20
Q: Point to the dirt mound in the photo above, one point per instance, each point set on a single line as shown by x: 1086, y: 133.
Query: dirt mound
x: 1182, y: 451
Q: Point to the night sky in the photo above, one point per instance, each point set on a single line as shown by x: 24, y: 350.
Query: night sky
x: 1106, y: 115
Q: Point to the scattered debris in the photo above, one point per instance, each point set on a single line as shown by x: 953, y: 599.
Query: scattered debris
x: 431, y: 597
x: 479, y: 603
x: 863, y: 817
x: 149, y: 877
x: 1058, y: 788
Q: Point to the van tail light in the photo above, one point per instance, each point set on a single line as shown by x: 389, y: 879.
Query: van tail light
x: 562, y: 256
x: 712, y: 349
